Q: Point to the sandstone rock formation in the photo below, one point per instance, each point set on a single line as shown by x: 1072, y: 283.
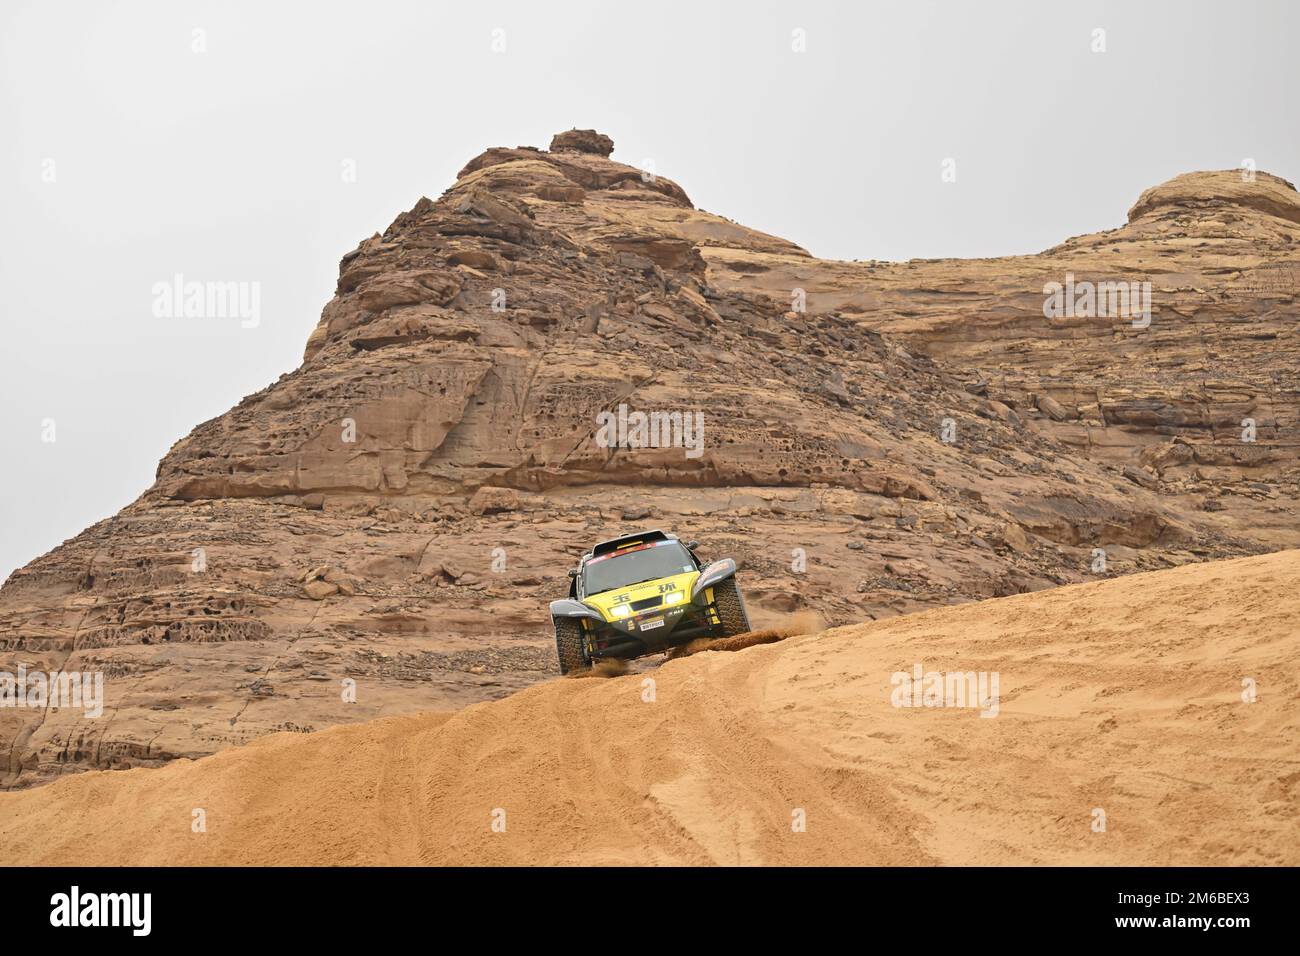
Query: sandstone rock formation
x: 391, y: 518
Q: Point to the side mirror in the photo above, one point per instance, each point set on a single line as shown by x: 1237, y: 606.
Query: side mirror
x: 692, y: 545
x: 573, y: 572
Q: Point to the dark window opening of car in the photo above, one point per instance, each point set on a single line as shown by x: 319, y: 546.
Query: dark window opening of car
x: 633, y: 567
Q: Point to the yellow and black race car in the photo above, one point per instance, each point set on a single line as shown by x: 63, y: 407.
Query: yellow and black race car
x: 644, y: 593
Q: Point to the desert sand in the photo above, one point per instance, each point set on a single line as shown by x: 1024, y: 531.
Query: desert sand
x: 1125, y: 696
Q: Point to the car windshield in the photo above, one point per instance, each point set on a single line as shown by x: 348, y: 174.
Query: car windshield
x: 632, y: 567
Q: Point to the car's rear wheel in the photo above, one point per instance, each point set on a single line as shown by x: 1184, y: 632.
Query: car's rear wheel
x: 731, y: 608
x: 570, y: 645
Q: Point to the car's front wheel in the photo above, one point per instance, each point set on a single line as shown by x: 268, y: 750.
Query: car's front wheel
x: 570, y: 645
x: 731, y: 608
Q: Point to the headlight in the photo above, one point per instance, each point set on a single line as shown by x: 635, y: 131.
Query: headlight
x: 621, y: 610
x: 674, y: 597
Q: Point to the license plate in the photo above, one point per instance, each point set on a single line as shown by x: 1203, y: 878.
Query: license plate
x: 651, y: 624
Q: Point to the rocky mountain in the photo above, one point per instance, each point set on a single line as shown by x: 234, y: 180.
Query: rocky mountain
x: 378, y: 532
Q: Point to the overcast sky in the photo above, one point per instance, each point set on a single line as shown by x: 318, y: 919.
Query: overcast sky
x: 142, y: 140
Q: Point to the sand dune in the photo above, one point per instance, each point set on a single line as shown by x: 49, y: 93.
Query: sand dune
x: 1123, y: 696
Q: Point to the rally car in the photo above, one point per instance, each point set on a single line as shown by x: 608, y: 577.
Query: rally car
x: 644, y: 593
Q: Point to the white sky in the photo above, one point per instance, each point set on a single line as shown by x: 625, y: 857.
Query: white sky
x: 225, y: 165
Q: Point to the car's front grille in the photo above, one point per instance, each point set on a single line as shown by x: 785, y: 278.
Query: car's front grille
x: 647, y: 603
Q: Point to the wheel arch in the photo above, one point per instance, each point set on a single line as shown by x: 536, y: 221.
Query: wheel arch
x: 569, y: 607
x: 712, y: 574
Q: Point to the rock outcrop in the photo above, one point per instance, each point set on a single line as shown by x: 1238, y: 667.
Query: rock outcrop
x: 380, y: 530
x: 584, y: 141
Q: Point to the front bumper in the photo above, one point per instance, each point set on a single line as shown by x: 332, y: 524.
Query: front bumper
x: 640, y: 634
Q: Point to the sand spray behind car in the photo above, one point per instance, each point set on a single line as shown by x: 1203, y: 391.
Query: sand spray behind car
x: 791, y: 625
